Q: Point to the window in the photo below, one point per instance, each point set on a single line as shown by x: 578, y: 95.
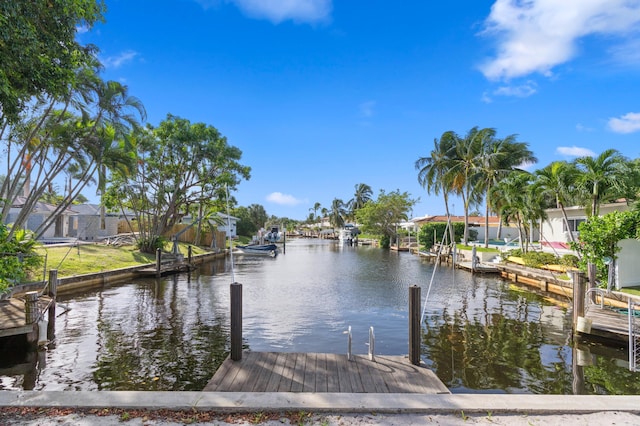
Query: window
x: 573, y: 225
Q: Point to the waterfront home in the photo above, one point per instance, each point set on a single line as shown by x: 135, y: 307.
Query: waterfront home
x: 477, y: 223
x: 554, y: 231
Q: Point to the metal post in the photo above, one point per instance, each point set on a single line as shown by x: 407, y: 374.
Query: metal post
x: 53, y: 292
x: 236, y: 321
x: 349, y: 339
x: 372, y: 344
x: 414, y: 325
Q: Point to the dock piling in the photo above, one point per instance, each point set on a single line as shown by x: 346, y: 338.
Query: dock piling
x: 236, y: 321
x: 414, y: 325
x: 53, y: 292
x: 579, y: 291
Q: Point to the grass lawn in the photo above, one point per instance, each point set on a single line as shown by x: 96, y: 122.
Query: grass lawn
x: 90, y: 258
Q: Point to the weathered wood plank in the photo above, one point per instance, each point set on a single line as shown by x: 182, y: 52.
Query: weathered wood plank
x: 299, y: 372
x: 297, y: 383
x: 333, y: 380
x: 310, y: 373
x: 322, y: 374
x: 278, y: 373
x: 287, y: 373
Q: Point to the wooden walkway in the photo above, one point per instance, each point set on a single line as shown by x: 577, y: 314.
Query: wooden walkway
x: 319, y: 372
x: 12, y: 316
x: 607, y: 323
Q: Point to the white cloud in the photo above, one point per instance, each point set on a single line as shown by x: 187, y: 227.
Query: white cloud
x: 284, y: 199
x: 628, y: 123
x: 121, y: 59
x: 278, y: 11
x: 367, y: 108
x: 536, y: 35
x: 521, y: 91
x: 575, y: 151
x: 582, y: 128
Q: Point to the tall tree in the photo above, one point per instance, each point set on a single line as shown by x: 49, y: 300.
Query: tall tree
x: 433, y: 170
x: 464, y: 172
x: 498, y: 159
x: 382, y: 216
x: 558, y: 180
x: 362, y: 195
x: 337, y: 213
x: 179, y: 164
x: 39, y: 53
x: 604, y: 178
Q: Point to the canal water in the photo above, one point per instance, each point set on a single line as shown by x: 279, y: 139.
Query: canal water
x: 480, y: 333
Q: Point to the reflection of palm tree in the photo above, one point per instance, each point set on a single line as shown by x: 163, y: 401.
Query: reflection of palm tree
x: 337, y: 213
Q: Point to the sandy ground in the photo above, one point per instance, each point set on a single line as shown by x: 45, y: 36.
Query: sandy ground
x: 50, y: 418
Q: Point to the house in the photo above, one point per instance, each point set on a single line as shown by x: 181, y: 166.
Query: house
x: 84, y: 223
x: 40, y: 212
x: 554, y: 232
x: 477, y: 223
x: 230, y: 225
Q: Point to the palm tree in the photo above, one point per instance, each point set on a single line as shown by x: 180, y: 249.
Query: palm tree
x: 603, y: 178
x: 314, y: 209
x: 432, y: 170
x: 499, y: 158
x: 558, y: 180
x: 463, y: 174
x: 517, y: 201
x: 363, y: 194
x: 337, y: 213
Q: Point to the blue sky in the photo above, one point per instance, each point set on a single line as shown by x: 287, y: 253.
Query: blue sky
x: 322, y: 95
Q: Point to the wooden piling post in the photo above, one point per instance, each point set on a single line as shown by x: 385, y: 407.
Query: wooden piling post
x: 189, y: 254
x: 53, y: 292
x: 414, y: 325
x: 579, y: 290
x: 31, y: 307
x: 158, y: 261
x: 236, y: 321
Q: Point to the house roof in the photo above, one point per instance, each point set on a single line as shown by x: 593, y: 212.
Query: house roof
x: 473, y: 220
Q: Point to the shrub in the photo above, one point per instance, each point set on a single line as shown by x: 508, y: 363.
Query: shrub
x: 536, y: 259
x: 18, y: 256
x: 511, y: 253
x: 569, y: 260
x: 151, y: 244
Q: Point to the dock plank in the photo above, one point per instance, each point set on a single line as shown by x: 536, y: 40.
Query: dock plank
x: 302, y: 372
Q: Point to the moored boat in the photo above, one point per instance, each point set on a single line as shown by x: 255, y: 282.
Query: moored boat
x: 259, y: 249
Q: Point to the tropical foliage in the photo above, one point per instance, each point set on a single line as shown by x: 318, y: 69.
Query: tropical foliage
x: 179, y: 164
x: 381, y: 216
x: 17, y: 256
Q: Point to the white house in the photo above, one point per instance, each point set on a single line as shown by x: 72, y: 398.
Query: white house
x: 230, y: 225
x: 555, y: 232
x: 40, y: 212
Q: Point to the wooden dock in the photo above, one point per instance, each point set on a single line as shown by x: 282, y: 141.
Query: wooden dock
x: 12, y: 316
x: 319, y: 372
x: 480, y: 268
x: 607, y: 324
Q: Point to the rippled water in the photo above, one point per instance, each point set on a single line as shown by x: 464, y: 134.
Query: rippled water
x: 481, y: 334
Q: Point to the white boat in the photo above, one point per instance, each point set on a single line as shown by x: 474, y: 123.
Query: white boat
x: 259, y: 249
x: 348, y: 234
x: 273, y: 235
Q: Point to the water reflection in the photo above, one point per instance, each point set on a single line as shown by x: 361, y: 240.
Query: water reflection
x: 480, y: 334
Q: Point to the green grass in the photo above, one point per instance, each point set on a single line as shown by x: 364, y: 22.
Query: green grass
x: 91, y: 258
x: 478, y: 249
x: 635, y: 291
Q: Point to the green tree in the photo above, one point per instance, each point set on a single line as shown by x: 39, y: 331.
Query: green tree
x: 179, y: 164
x: 498, y: 159
x: 381, y: 217
x: 558, y: 181
x: 18, y: 256
x: 433, y: 170
x: 361, y: 197
x: 39, y: 53
x: 605, y: 178
x: 599, y: 236
x: 338, y: 213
